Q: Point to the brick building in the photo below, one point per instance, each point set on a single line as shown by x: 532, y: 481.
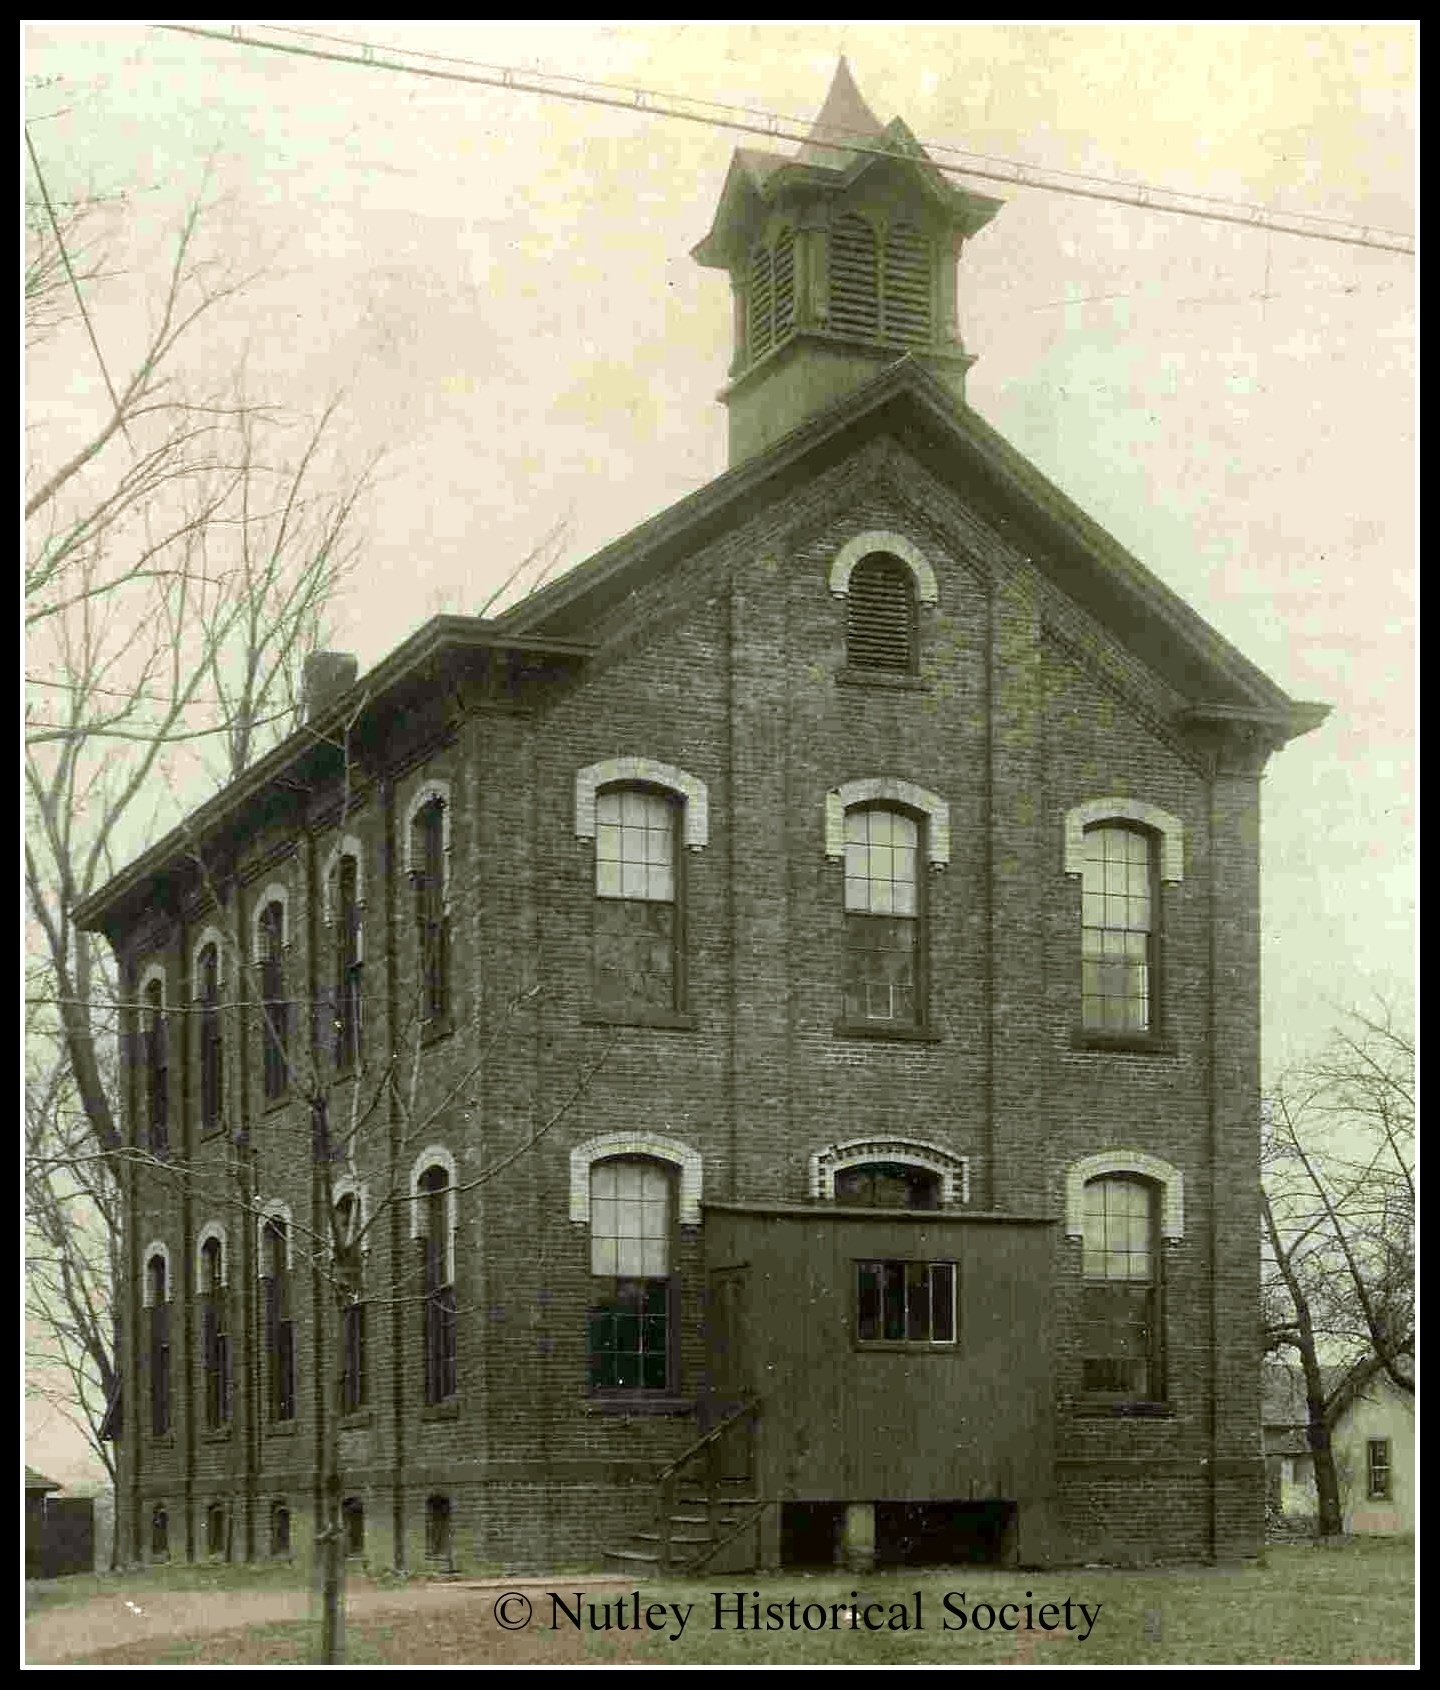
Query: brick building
x: 795, y: 977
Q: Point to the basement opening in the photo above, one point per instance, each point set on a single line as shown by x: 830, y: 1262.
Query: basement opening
x: 944, y: 1534
x: 810, y: 1533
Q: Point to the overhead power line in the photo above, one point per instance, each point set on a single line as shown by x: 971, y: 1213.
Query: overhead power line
x: 1173, y: 201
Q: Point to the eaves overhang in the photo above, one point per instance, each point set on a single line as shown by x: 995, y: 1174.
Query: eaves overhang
x: 439, y: 638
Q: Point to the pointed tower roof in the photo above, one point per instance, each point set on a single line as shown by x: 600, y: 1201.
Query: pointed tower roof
x: 843, y: 116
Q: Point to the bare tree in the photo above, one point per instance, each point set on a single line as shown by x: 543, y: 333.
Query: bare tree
x: 1338, y: 1205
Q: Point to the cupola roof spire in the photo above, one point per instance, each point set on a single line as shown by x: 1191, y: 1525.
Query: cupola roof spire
x: 843, y: 117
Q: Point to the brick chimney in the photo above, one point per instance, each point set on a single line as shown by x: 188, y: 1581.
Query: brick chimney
x: 327, y: 675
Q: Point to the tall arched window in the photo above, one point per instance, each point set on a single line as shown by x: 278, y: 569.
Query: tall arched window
x: 157, y: 1295
x: 637, y: 897
x: 348, y: 1225
x: 212, y: 1050
x: 1118, y: 942
x: 347, y: 963
x: 427, y: 878
x: 438, y: 1271
x: 274, y: 1008
x: 279, y: 1317
x: 215, y: 1334
x: 157, y: 1070
x: 883, y: 915
x: 631, y: 1326
x: 880, y: 616
x: 1121, y: 1350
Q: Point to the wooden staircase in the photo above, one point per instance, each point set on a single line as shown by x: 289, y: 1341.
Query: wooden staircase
x: 706, y: 1506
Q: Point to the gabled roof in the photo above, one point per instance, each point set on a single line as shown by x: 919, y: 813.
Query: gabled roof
x: 960, y: 448
x: 38, y: 1481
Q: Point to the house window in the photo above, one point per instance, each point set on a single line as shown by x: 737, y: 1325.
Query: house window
x: 347, y: 964
x: 1120, y: 1263
x: 630, y: 1324
x: 882, y: 918
x: 353, y: 1514
x: 352, y: 1313
x: 888, y: 1185
x: 437, y: 1528
x: 636, y: 900
x: 157, y: 1275
x: 157, y: 1070
x: 159, y: 1533
x: 1118, y: 939
x: 880, y: 616
x: 273, y: 1004
x: 215, y: 1533
x: 1377, y: 1469
x: 427, y: 877
x: 437, y: 1268
x: 212, y: 1064
x: 903, y: 1302
x: 279, y: 1529
x: 279, y: 1320
x: 214, y: 1334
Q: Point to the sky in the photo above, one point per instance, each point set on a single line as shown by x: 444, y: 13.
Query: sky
x: 501, y: 284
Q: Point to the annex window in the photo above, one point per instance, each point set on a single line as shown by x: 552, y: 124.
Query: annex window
x: 630, y: 1326
x: 159, y: 1533
x: 157, y: 1297
x: 279, y: 1529
x: 882, y: 984
x: 637, y: 928
x: 157, y: 1070
x: 903, y: 1302
x: 432, y: 927
x: 437, y: 1528
x: 1118, y: 938
x: 352, y: 1512
x: 348, y: 1224
x: 437, y: 1266
x: 1120, y: 1264
x: 1377, y: 1469
x: 279, y: 1318
x: 880, y: 615
x: 212, y: 1050
x: 215, y: 1357
x: 888, y: 1185
x: 346, y: 963
x: 274, y: 1007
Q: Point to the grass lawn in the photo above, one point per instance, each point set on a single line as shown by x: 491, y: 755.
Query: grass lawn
x: 1350, y: 1604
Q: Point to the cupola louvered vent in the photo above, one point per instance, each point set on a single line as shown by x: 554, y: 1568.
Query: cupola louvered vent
x: 907, y: 286
x: 784, y: 285
x: 854, y: 278
x: 880, y: 616
x: 762, y: 302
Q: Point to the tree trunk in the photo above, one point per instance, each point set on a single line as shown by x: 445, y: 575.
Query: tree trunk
x: 332, y: 1541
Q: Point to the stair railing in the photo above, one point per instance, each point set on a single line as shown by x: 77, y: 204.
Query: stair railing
x: 708, y: 1445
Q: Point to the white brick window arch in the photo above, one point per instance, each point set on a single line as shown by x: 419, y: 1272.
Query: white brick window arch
x: 952, y: 1170
x: 883, y: 542
x: 1094, y: 811
x: 275, y: 895
x: 273, y: 1209
x: 346, y: 846
x: 644, y: 771
x: 208, y: 936
x: 355, y: 1194
x: 213, y: 1232
x: 157, y: 1250
x: 1138, y: 1164
x: 153, y: 975
x: 889, y: 790
x: 436, y: 1156
x: 659, y: 1147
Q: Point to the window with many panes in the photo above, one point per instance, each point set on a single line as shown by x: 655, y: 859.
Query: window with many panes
x: 637, y: 900
x: 880, y: 616
x: 279, y: 1320
x: 215, y: 1335
x: 1121, y: 1349
x: 630, y: 1340
x: 1119, y: 894
x: 212, y: 1050
x: 905, y: 1302
x: 883, y: 912
x: 1377, y: 1469
x: 157, y: 1295
x: 274, y: 1008
x: 440, y: 1323
x: 157, y: 1070
x: 427, y: 877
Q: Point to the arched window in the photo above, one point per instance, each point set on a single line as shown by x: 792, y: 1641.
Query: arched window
x: 274, y: 1008
x: 436, y: 1201
x: 888, y: 1185
x: 883, y: 984
x: 348, y: 1227
x: 279, y: 1317
x: 880, y: 615
x: 347, y: 961
x: 157, y: 1070
x: 157, y: 1298
x: 637, y: 900
x: 1121, y: 1349
x: 1118, y: 942
x: 631, y: 1339
x: 215, y: 1357
x: 212, y: 1051
x: 427, y: 878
